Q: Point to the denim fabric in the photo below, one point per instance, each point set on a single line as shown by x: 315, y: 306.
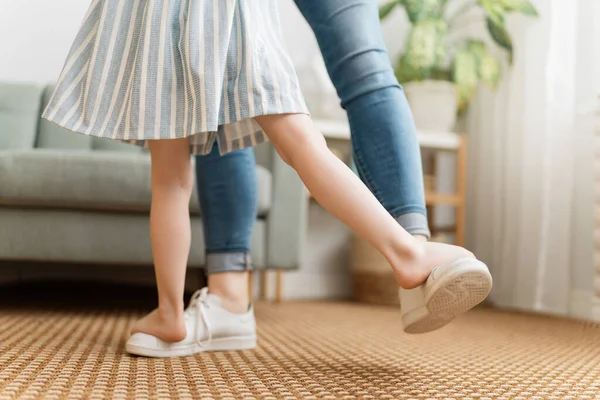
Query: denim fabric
x: 384, y: 140
x: 228, y: 203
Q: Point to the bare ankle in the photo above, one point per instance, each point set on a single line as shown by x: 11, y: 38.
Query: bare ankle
x: 410, y: 253
x: 232, y: 289
x: 169, y: 311
x: 405, y: 260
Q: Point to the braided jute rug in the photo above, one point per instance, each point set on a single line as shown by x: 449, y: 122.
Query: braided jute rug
x: 56, y: 344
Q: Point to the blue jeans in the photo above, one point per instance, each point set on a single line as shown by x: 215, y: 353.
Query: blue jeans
x: 228, y: 204
x: 384, y: 141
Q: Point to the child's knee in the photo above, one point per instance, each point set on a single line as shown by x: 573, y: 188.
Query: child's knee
x: 178, y: 176
x: 171, y: 166
x: 307, y: 142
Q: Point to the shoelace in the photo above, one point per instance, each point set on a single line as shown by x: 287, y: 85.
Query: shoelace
x: 199, y: 303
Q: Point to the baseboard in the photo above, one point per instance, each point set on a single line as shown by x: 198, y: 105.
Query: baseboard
x: 9, y: 274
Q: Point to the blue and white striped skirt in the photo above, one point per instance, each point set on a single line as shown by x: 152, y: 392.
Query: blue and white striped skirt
x: 163, y: 69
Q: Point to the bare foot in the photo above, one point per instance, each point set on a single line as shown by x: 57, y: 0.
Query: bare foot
x: 409, y: 275
x: 164, y: 325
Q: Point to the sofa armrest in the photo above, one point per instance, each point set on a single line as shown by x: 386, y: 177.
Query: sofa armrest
x: 19, y: 115
x: 288, y: 218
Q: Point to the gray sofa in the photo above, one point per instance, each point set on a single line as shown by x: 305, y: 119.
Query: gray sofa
x: 64, y: 199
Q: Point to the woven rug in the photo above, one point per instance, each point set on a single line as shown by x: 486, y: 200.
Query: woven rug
x: 56, y: 346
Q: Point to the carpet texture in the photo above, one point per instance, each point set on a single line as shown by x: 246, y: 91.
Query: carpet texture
x: 55, y: 346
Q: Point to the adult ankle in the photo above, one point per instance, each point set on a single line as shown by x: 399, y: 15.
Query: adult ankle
x: 232, y: 289
x: 232, y: 302
x: 229, y: 296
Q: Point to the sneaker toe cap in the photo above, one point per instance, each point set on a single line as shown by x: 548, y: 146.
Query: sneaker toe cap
x: 143, y: 340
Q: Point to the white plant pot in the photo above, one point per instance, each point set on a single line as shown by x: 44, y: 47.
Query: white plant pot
x: 433, y: 104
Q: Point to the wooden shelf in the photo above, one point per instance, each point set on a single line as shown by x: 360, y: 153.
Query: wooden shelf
x: 437, y: 198
x: 339, y: 130
x: 439, y: 141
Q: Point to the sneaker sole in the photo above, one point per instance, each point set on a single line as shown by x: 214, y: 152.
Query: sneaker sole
x: 457, y: 291
x: 224, y: 344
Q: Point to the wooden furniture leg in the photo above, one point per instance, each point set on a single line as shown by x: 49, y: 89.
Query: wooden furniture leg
x: 278, y: 285
x: 461, y: 166
x: 264, y: 284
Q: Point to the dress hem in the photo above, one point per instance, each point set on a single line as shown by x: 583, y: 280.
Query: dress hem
x: 210, y: 135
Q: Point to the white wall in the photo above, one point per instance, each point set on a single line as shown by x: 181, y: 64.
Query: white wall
x: 35, y: 36
x: 588, y: 65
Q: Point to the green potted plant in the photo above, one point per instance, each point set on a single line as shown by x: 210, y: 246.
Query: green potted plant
x: 440, y: 69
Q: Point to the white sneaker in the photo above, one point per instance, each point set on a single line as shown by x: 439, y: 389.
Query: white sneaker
x: 209, y: 328
x: 450, y: 290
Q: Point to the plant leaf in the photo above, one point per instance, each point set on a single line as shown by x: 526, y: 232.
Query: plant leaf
x: 488, y: 68
x: 501, y: 37
x: 465, y: 76
x: 494, y: 10
x: 424, y: 52
x: 520, y: 6
x: 420, y: 10
x: 489, y: 71
x: 405, y: 72
x: 477, y: 47
x: 387, y: 8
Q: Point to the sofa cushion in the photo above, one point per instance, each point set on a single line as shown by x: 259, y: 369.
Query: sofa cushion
x: 96, y: 180
x: 53, y: 136
x: 68, y: 236
x: 19, y: 115
x: 115, y: 145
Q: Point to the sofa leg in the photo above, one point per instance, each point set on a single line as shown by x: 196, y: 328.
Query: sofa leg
x: 264, y: 284
x: 278, y: 285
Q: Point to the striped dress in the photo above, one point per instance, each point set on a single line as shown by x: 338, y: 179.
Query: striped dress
x: 142, y: 70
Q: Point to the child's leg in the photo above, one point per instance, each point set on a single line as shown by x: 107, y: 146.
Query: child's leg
x: 170, y: 234
x: 340, y: 192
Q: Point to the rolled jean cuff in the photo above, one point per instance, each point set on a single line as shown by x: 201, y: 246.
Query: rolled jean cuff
x: 238, y: 261
x: 415, y: 223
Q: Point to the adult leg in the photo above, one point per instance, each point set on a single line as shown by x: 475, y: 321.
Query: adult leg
x: 384, y: 138
x: 228, y: 201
